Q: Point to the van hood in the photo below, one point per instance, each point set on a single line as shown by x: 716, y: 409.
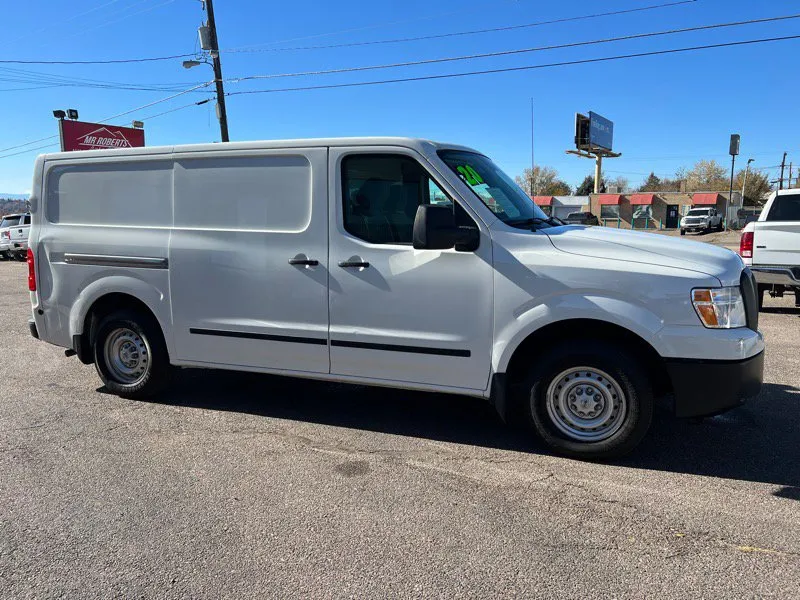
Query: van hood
x: 649, y: 248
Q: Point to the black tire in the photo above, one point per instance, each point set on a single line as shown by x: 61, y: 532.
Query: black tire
x: 146, y: 380
x: 683, y: 232
x: 720, y: 227
x: 628, y: 375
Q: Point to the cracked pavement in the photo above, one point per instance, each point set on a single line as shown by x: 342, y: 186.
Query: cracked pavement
x: 240, y: 486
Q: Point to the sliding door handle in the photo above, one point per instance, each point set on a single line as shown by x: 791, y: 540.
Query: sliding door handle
x: 303, y: 261
x: 354, y: 264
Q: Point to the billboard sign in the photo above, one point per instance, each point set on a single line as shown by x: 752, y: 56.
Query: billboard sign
x: 581, y: 131
x: 78, y: 135
x: 601, y: 132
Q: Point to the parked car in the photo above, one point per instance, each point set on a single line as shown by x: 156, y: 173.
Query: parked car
x: 380, y: 261
x: 771, y: 246
x: 701, y: 219
x: 581, y: 218
x: 7, y: 224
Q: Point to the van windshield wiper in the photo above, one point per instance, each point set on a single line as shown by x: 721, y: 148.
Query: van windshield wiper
x: 532, y: 222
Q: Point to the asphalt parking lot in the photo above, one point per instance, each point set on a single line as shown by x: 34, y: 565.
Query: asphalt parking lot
x: 241, y: 486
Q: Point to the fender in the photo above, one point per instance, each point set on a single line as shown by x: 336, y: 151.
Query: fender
x: 592, y: 305
x: 154, y: 298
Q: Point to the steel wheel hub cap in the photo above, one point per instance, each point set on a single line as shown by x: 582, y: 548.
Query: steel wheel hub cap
x: 127, y: 355
x: 586, y: 404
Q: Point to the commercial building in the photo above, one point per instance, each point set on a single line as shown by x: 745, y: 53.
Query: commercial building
x: 646, y: 210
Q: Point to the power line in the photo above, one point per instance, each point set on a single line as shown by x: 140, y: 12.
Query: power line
x: 376, y: 26
x: 26, y: 76
x: 148, y: 118
x: 398, y: 40
x: 122, y: 114
x: 30, y: 149
x: 523, y: 68
x: 460, y: 33
x: 520, y: 50
x: 67, y: 20
x: 95, y: 62
x: 126, y: 17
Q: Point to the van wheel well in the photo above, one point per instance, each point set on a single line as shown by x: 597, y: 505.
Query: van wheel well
x: 539, y: 341
x: 102, y: 306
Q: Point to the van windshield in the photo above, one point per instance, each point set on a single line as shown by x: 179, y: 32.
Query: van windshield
x: 496, y: 189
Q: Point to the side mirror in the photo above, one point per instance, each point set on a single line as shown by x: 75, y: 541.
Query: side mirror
x: 435, y: 229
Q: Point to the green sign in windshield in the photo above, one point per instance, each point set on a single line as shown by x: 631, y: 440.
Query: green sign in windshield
x: 470, y: 174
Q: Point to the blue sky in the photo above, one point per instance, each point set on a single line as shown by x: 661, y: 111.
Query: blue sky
x: 669, y: 111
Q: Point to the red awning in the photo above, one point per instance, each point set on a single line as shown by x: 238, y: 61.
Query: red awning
x: 705, y: 198
x: 543, y: 200
x: 642, y: 198
x: 609, y: 198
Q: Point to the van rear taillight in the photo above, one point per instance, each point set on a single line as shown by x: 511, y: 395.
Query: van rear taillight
x: 746, y: 245
x: 31, y: 272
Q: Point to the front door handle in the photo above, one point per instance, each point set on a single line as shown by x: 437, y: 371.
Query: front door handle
x: 354, y: 264
x: 303, y: 261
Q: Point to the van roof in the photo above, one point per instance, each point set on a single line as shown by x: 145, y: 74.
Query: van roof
x: 421, y: 145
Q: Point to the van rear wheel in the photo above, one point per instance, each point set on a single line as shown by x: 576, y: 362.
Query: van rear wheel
x: 130, y: 354
x: 589, y: 399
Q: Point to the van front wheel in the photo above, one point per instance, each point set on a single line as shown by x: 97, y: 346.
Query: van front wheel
x: 130, y: 354
x: 589, y: 399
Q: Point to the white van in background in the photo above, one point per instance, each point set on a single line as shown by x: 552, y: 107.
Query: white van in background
x: 384, y: 261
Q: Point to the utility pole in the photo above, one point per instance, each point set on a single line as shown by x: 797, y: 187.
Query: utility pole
x: 533, y: 163
x: 733, y: 151
x: 790, y: 177
x: 598, y: 171
x: 783, y: 164
x: 222, y: 113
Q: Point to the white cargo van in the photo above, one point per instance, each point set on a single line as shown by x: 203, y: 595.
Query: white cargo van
x: 385, y: 261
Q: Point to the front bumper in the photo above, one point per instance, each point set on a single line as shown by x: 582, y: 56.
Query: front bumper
x: 777, y: 275
x: 707, y: 387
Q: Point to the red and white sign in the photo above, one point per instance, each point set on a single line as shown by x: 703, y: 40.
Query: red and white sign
x: 77, y: 135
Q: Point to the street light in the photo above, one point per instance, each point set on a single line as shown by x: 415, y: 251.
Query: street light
x: 744, y: 183
x: 188, y: 64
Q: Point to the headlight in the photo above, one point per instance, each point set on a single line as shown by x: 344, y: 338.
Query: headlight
x: 720, y: 308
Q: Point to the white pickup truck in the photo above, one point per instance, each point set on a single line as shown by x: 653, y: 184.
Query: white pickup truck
x: 701, y: 219
x: 771, y: 246
x: 14, y: 230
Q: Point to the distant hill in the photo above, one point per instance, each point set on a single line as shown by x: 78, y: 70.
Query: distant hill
x: 4, y: 196
x: 13, y: 205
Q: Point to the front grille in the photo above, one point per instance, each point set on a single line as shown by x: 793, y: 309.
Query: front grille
x: 749, y: 287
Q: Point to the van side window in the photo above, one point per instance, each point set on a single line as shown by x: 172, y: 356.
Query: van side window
x: 381, y: 193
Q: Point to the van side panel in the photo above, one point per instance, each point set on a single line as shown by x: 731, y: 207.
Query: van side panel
x: 236, y: 299
x: 97, y: 219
